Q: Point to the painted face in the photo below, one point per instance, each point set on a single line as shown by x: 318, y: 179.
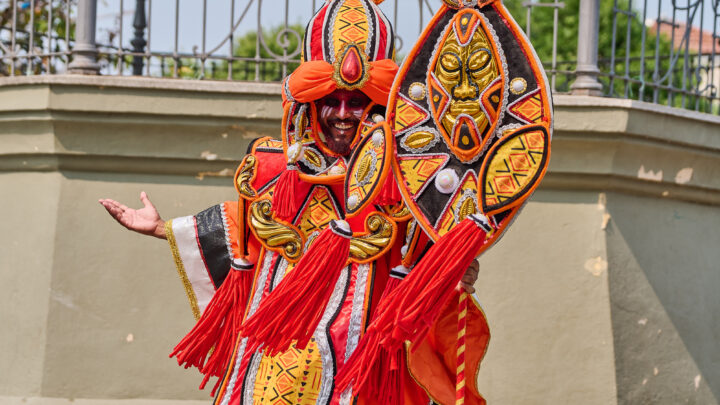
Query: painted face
x: 465, y: 72
x: 339, y: 115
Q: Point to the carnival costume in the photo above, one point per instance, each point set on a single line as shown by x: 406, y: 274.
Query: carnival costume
x: 300, y: 286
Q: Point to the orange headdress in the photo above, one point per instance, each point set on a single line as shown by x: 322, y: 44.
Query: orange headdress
x: 348, y: 44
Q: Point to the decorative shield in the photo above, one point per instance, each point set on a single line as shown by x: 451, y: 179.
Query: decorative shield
x: 471, y: 115
x: 368, y: 169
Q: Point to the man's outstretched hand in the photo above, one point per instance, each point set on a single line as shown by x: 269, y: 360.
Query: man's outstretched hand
x: 146, y: 220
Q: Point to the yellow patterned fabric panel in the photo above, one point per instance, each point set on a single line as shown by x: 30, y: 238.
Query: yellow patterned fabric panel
x: 270, y: 143
x: 351, y: 25
x: 364, y: 173
x: 417, y: 169
x: 292, y: 377
x: 514, y: 166
x: 318, y: 212
x: 408, y: 114
x: 529, y: 108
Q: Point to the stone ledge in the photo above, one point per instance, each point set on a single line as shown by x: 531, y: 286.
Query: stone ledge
x: 564, y: 100
x: 224, y: 169
x: 137, y: 82
x: 93, y: 401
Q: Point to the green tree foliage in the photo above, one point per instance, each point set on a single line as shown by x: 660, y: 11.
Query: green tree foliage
x: 35, y: 19
x: 244, y: 67
x: 629, y: 68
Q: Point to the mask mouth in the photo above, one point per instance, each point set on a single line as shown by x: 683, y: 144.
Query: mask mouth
x: 465, y: 107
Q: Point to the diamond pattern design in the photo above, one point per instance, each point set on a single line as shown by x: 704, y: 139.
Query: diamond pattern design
x: 418, y: 169
x: 408, y: 114
x: 529, y: 108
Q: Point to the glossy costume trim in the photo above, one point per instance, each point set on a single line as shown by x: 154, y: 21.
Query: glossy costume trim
x: 358, y: 307
x: 181, y: 270
x: 322, y: 337
x: 186, y: 245
x: 257, y: 295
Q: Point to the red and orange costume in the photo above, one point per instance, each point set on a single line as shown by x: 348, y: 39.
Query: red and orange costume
x: 300, y: 286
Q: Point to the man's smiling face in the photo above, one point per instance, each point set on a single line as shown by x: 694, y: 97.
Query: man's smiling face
x: 339, y: 116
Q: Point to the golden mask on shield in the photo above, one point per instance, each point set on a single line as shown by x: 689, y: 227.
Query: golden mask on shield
x: 464, y: 89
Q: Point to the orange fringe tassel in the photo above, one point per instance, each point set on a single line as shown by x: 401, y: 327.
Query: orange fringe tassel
x: 407, y: 313
x: 294, y: 309
x: 216, y: 332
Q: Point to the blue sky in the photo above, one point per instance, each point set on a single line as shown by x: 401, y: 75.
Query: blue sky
x: 272, y: 14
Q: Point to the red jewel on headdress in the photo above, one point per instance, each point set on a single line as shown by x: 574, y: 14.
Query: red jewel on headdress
x: 351, y: 68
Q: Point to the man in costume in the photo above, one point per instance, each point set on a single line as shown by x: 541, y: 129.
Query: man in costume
x: 233, y: 256
x: 300, y: 286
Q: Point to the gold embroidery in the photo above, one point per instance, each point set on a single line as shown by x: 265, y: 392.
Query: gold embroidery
x: 380, y: 234
x: 364, y: 168
x: 273, y: 234
x: 419, y: 139
x: 181, y: 270
x: 245, y: 174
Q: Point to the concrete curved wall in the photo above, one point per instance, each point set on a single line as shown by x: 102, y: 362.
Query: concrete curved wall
x: 604, y: 291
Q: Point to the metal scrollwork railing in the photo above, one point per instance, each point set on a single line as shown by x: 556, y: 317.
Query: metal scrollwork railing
x: 659, y: 51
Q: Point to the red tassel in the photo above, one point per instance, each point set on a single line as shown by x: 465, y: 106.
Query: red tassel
x: 284, y: 202
x: 407, y: 313
x: 390, y: 193
x: 216, y: 332
x: 294, y: 309
x: 397, y: 274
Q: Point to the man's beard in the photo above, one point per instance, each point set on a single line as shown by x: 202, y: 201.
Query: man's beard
x: 339, y: 135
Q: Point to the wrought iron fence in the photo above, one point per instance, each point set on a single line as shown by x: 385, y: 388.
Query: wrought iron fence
x: 660, y: 51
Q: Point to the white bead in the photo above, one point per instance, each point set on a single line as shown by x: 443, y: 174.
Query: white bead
x: 343, y: 225
x: 353, y: 201
x: 378, y: 118
x: 403, y: 250
x: 336, y: 170
x: 518, y: 85
x: 446, y: 181
x: 378, y: 138
x: 294, y: 152
x: 417, y: 91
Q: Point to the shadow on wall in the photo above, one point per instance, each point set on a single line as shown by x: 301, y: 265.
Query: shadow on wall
x: 664, y: 261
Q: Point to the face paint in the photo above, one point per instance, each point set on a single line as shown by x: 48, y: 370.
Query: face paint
x: 339, y: 116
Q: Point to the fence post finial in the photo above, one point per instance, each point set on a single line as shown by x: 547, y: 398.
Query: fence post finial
x: 586, y: 82
x: 85, y: 51
x: 138, y: 42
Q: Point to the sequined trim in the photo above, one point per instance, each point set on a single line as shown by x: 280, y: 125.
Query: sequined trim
x: 346, y: 396
x: 250, y: 378
x: 279, y: 273
x: 226, y: 228
x: 233, y: 379
x: 181, y: 270
x: 358, y: 308
x: 259, y: 286
x: 322, y: 339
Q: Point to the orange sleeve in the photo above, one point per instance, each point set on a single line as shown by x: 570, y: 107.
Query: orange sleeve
x: 432, y: 362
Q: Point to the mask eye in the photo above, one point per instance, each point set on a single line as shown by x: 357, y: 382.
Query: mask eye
x: 479, y: 60
x: 450, y: 62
